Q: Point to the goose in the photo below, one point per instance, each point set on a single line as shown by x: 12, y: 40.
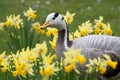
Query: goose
x: 92, y: 45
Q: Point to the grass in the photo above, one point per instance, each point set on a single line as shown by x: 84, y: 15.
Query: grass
x: 84, y: 10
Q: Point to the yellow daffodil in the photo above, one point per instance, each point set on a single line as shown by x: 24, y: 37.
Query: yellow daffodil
x: 86, y: 28
x: 113, y: 64
x: 32, y: 58
x: 54, y: 56
x: 81, y: 59
x: 77, y: 34
x: 47, y: 59
x: 110, y: 63
x: 31, y: 14
x: 9, y: 21
x: 23, y: 62
x: 102, y: 28
x: 37, y: 27
x: 15, y: 73
x: 48, y: 69
x: 51, y: 31
x: 71, y: 36
x: 42, y: 48
x: 17, y: 22
x: 14, y: 21
x: 99, y: 22
x: 20, y: 70
x: 102, y: 70
x: 69, y: 17
x: 69, y: 68
x: 107, y: 29
x: 97, y: 30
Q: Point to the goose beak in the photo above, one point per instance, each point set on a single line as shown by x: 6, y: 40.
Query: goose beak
x: 46, y: 24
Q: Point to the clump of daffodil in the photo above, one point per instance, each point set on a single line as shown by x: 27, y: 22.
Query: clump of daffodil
x: 25, y: 60
x: 48, y: 67
x: 72, y: 57
x: 37, y: 27
x: 51, y: 31
x: 69, y: 17
x: 97, y: 65
x: 31, y: 14
x: 86, y: 28
x: 14, y: 21
x: 23, y: 63
x: 102, y: 28
x: 48, y: 70
x: 100, y: 64
x: 9, y: 21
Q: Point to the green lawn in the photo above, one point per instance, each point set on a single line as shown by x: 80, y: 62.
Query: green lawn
x: 84, y: 10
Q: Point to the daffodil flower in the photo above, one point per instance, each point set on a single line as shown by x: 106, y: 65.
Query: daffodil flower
x: 110, y: 63
x: 9, y: 21
x: 42, y: 48
x: 69, y: 68
x: 69, y: 17
x: 31, y: 14
x: 51, y: 31
x: 48, y: 67
x: 86, y: 28
x: 17, y: 22
x: 77, y: 34
x: 107, y: 29
x: 14, y: 21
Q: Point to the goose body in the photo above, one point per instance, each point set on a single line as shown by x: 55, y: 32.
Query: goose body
x: 101, y: 42
x: 92, y: 46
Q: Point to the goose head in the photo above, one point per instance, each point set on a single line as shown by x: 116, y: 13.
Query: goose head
x: 55, y: 20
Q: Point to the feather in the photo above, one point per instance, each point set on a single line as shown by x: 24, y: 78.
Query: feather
x: 101, y: 42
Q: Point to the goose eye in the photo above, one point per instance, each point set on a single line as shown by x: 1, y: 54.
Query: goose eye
x: 53, y: 18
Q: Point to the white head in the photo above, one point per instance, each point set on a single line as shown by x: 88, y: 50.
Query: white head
x: 55, y: 20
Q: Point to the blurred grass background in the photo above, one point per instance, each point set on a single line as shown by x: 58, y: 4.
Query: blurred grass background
x: 84, y: 10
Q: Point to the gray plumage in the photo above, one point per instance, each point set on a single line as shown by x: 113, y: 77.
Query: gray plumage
x: 99, y: 42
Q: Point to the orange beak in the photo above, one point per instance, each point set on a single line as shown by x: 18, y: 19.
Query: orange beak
x: 46, y: 24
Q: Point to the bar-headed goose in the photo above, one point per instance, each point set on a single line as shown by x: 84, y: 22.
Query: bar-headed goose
x: 92, y: 45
